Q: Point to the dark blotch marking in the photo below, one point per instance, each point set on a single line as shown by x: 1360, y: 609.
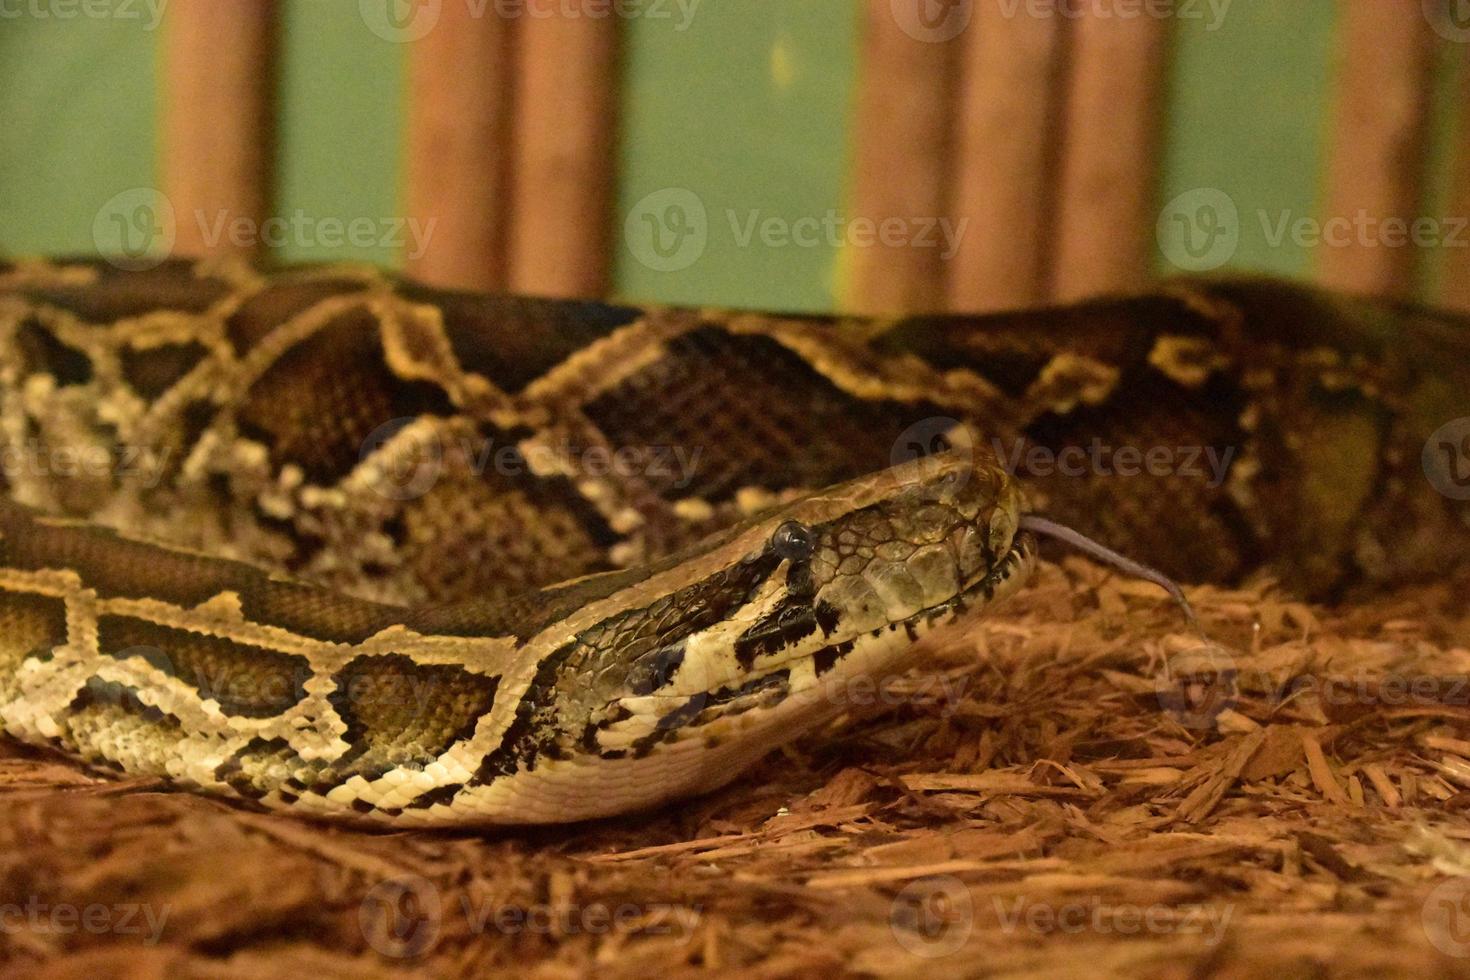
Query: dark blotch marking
x: 262, y: 313
x: 512, y: 340
x: 257, y: 754
x: 153, y: 371
x: 31, y: 626
x: 826, y: 658
x: 828, y: 616
x: 123, y: 697
x: 692, y: 711
x: 788, y: 624
x: 247, y: 681
x: 318, y: 404
x: 437, y: 795
x: 118, y: 293
x: 790, y: 426
x: 44, y: 353
x: 400, y: 712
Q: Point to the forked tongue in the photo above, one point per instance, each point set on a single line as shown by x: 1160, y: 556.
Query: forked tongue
x: 1106, y: 555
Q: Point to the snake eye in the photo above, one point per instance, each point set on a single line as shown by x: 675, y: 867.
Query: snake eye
x: 793, y: 541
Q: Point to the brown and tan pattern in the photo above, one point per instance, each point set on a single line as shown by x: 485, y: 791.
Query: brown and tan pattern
x: 431, y: 464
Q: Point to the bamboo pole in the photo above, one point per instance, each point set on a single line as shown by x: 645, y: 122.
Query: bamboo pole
x: 459, y: 146
x: 1112, y: 123
x: 899, y: 176
x: 1455, y: 291
x: 217, y: 127
x: 1010, y: 94
x: 562, y: 185
x: 1379, y: 141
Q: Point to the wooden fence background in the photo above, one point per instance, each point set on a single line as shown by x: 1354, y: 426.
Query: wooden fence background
x: 1043, y: 132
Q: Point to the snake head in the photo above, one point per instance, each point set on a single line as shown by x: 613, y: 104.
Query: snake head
x: 790, y: 607
x: 668, y: 680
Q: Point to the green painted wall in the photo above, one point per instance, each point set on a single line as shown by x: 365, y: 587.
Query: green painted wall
x: 76, y: 124
x: 1248, y: 108
x: 740, y: 117
x: 342, y: 98
x: 732, y: 114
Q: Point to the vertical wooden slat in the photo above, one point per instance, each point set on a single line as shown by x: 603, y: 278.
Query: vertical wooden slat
x: 1112, y: 120
x: 1456, y: 271
x: 1003, y: 165
x: 459, y: 126
x: 566, y: 96
x: 903, y: 135
x: 1379, y: 141
x: 217, y: 144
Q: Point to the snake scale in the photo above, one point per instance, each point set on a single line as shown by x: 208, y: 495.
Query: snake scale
x: 329, y: 541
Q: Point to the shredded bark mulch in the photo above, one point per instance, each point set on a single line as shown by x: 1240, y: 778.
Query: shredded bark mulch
x: 1076, y: 786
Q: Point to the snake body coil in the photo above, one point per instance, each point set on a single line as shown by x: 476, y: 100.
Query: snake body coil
x: 366, y: 492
